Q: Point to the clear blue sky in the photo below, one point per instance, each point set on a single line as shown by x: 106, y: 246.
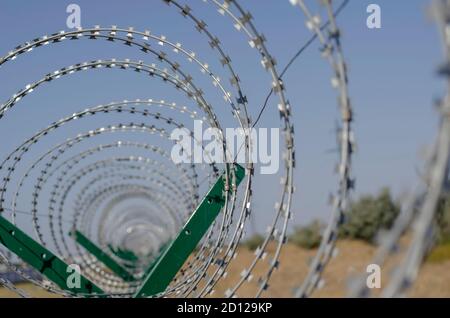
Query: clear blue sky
x: 392, y: 82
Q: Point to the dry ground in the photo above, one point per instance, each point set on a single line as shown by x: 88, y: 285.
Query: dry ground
x: 433, y: 281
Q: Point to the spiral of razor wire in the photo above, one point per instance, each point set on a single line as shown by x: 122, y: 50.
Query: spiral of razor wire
x: 101, y: 184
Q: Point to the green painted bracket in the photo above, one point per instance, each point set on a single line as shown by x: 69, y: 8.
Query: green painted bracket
x: 42, y: 259
x: 173, y: 258
x: 124, y: 254
x: 102, y: 256
x: 155, y: 261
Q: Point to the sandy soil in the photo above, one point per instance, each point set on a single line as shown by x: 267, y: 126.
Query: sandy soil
x: 353, y: 257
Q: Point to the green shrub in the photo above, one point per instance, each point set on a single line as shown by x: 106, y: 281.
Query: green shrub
x: 443, y: 220
x: 308, y: 236
x: 254, y: 242
x: 440, y: 253
x: 368, y: 215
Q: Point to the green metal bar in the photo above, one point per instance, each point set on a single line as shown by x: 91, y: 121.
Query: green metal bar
x: 130, y: 259
x: 41, y: 258
x: 102, y: 256
x: 124, y: 254
x: 155, y: 261
x: 173, y: 258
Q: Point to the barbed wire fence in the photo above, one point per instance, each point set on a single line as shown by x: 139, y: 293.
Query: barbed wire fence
x: 90, y: 177
x: 419, y: 210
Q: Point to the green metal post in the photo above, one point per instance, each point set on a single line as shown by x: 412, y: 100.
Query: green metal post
x: 42, y: 259
x: 102, y: 256
x: 173, y: 258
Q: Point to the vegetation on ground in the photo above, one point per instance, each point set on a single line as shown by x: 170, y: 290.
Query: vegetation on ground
x: 364, y: 219
x: 308, y: 236
x: 253, y: 242
x: 370, y: 214
x: 443, y: 220
x: 440, y: 253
